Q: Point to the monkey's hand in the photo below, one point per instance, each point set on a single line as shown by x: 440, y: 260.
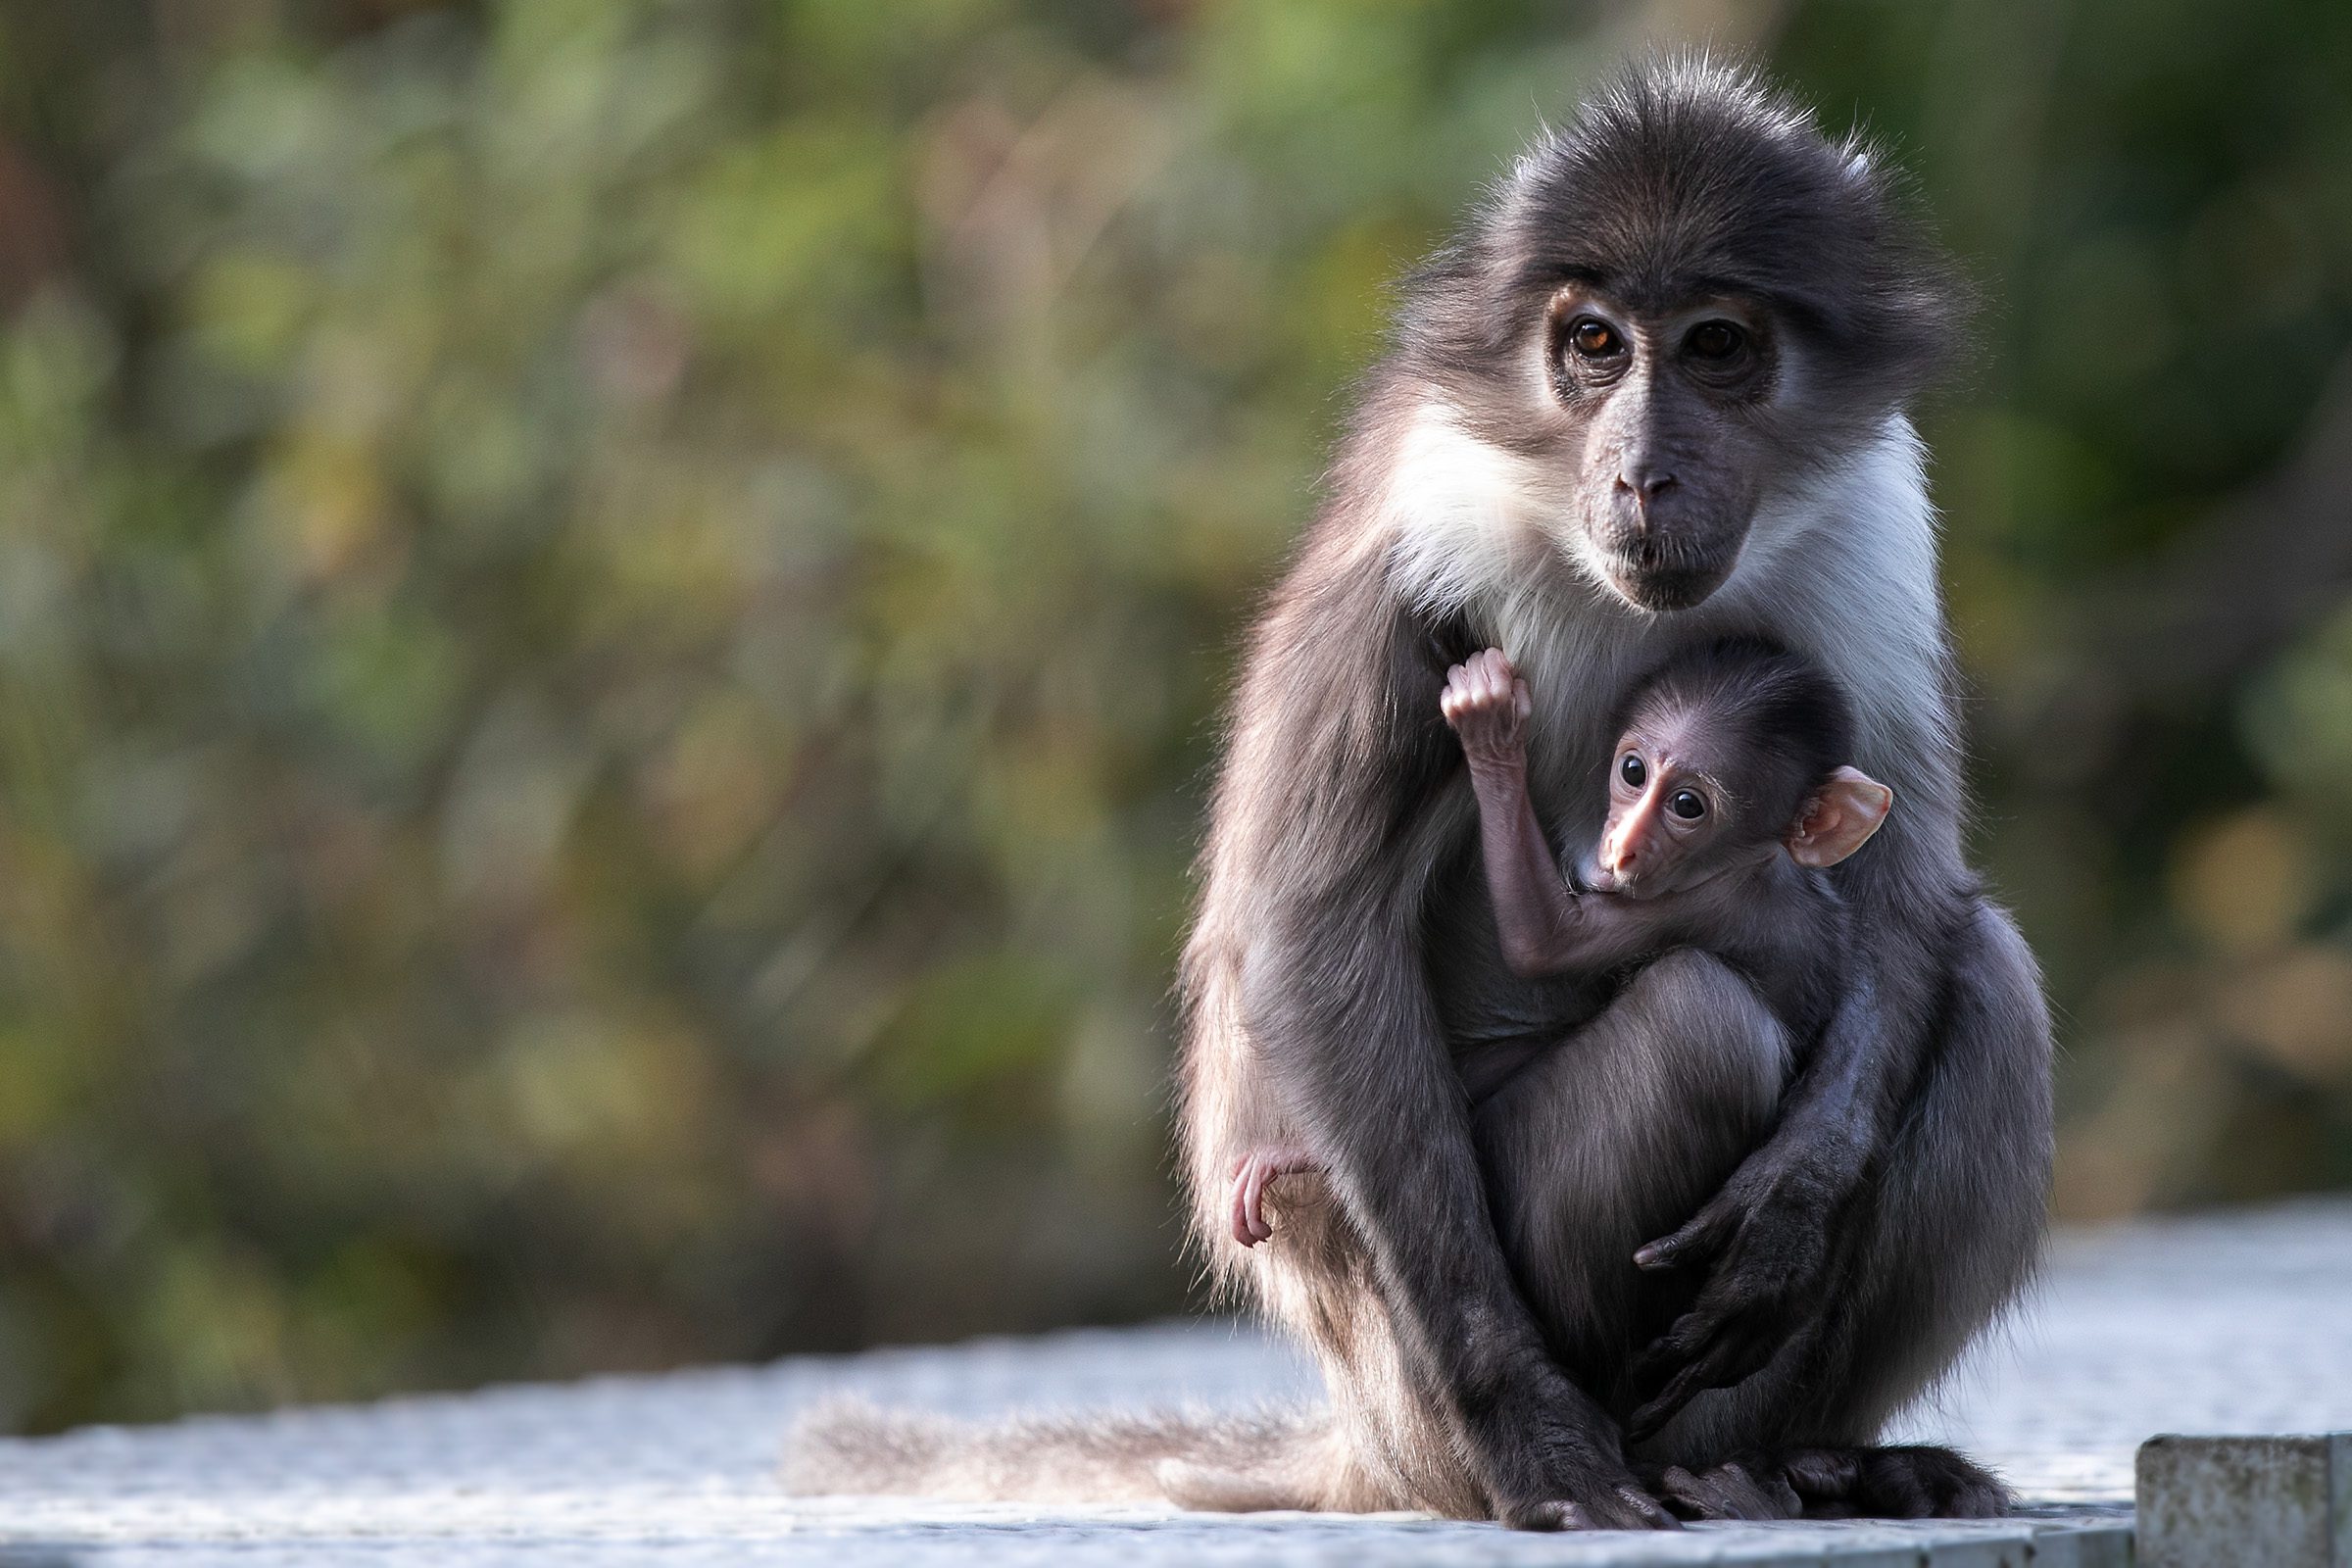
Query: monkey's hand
x: 1251, y: 1171
x: 1488, y: 705
x: 1766, y: 1243
x: 1542, y: 1468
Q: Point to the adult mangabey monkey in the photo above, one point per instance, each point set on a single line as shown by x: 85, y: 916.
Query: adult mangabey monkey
x: 1653, y: 395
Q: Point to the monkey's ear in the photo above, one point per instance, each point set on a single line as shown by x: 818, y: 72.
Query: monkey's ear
x: 1839, y: 820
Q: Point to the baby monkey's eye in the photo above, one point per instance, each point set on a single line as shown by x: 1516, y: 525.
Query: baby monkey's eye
x: 1689, y: 804
x: 1631, y: 771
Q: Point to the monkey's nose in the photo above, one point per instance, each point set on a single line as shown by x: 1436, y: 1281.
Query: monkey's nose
x: 1643, y: 480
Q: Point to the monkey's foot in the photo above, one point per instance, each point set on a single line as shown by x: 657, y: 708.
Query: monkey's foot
x: 1542, y: 1467
x: 1917, y: 1481
x: 1906, y: 1483
x: 1757, y: 1489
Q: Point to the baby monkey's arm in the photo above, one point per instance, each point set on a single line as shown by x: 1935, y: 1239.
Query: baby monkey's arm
x: 1545, y: 927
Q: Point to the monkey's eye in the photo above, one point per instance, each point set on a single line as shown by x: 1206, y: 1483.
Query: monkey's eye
x: 1689, y: 804
x: 1631, y: 771
x: 1593, y: 339
x: 1715, y: 340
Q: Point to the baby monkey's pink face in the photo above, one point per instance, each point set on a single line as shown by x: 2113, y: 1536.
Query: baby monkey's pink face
x: 1688, y: 803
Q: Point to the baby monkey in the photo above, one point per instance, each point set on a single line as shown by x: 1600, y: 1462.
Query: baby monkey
x: 1729, y: 793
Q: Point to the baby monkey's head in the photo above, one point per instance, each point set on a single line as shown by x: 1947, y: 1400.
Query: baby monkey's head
x: 1730, y: 751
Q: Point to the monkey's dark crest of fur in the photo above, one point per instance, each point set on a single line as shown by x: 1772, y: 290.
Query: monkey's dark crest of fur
x: 1684, y: 177
x: 1653, y: 397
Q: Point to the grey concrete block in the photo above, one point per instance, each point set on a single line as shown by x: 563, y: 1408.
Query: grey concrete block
x: 2247, y: 1502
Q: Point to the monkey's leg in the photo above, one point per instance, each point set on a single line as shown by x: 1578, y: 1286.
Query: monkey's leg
x: 1389, y: 1444
x: 1625, y: 1127
x: 1941, y: 1245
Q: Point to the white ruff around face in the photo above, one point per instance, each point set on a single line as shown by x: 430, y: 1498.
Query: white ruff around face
x: 1842, y: 568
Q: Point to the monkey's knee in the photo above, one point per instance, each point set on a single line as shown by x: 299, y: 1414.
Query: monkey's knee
x: 1702, y: 1022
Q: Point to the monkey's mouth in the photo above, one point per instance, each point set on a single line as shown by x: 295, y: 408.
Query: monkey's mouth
x: 1664, y: 574
x: 1593, y: 878
x: 1663, y: 586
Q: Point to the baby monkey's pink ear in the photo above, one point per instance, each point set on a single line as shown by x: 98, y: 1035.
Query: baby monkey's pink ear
x: 1839, y: 820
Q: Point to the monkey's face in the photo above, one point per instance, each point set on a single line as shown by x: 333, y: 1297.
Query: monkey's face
x: 1671, y: 413
x: 1693, y: 793
x: 1672, y: 822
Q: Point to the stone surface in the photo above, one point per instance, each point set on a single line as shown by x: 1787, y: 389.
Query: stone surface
x: 2233, y: 1323
x: 2247, y: 1502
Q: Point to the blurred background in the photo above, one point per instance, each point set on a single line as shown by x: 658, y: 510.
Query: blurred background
x: 611, y: 612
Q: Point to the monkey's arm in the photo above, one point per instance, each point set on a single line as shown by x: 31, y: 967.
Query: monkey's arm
x: 1544, y: 925
x: 1331, y: 820
x: 1770, y: 1233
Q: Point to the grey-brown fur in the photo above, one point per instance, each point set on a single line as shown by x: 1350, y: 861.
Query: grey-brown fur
x: 1233, y: 1462
x: 1497, y: 1150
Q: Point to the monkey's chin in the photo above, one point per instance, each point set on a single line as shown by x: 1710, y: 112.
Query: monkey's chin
x: 1662, y: 592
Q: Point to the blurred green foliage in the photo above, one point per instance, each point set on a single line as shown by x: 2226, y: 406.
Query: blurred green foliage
x: 611, y: 614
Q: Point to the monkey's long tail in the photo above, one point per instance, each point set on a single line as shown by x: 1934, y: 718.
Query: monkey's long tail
x: 1243, y: 1463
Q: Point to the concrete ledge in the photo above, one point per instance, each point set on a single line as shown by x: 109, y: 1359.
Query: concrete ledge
x: 2222, y: 1323
x: 2247, y: 1502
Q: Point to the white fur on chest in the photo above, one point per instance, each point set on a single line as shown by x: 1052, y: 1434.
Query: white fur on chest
x: 1843, y: 568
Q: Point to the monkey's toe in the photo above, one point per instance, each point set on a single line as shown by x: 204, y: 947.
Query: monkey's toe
x: 1625, y: 1508
x: 1730, y: 1490
x: 1911, y: 1482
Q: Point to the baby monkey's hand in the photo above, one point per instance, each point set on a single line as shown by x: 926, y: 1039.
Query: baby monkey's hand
x: 1488, y: 703
x: 1251, y: 1173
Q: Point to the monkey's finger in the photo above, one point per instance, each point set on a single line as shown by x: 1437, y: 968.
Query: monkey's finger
x: 1729, y: 1491
x: 1260, y: 1174
x: 1712, y: 1371
x: 1249, y: 1225
x: 1710, y: 1353
x: 1240, y: 1219
x: 1523, y: 702
x: 1822, y: 1475
x: 1701, y: 1237
x: 1672, y: 1354
x: 1480, y: 677
x: 1650, y: 1513
x: 1543, y: 1516
x: 1500, y: 678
